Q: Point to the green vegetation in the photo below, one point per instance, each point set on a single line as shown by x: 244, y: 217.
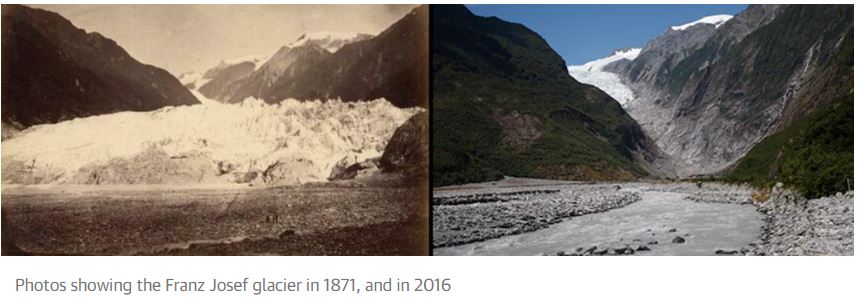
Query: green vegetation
x: 757, y: 65
x: 814, y: 155
x: 486, y: 70
x: 813, y: 151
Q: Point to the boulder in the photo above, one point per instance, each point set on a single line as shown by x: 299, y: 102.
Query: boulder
x: 407, y: 152
x: 290, y: 172
x: 624, y: 250
x: 344, y: 169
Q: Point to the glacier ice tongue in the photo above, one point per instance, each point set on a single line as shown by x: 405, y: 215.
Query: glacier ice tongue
x: 250, y: 136
x: 592, y: 73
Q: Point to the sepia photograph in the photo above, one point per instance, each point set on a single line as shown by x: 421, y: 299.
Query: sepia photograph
x: 215, y: 130
x: 591, y: 130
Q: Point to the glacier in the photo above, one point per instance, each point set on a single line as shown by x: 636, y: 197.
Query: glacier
x: 246, y: 137
x: 592, y: 73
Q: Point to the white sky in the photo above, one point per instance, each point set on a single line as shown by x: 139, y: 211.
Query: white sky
x: 182, y: 38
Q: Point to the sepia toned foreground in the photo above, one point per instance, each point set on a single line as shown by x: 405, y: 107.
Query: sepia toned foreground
x: 313, y: 219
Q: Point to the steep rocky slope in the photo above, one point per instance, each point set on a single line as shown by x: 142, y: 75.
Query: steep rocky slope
x: 814, y: 155
x: 504, y: 105
x: 53, y: 71
x: 708, y: 94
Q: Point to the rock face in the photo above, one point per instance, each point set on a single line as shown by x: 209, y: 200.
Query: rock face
x: 408, y: 149
x: 505, y: 105
x: 707, y: 94
x: 53, y: 71
x: 813, y: 155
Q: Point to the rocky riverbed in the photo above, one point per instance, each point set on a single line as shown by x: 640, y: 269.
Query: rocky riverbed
x: 794, y: 224
x: 798, y: 226
x: 478, y: 213
x: 537, y: 217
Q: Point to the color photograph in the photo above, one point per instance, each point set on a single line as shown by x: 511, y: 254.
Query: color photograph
x: 642, y: 130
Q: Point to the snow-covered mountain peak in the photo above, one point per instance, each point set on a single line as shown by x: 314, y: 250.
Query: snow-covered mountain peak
x: 331, y: 41
x: 716, y: 20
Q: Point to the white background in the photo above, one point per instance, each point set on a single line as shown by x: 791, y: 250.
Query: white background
x: 631, y: 279
x: 628, y: 279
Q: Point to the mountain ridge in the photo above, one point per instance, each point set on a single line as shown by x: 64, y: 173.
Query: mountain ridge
x: 329, y: 65
x: 54, y: 71
x: 707, y: 103
x: 483, y: 69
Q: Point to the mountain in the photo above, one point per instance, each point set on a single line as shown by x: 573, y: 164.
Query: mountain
x: 504, y: 104
x: 392, y: 65
x: 217, y: 80
x: 254, y: 76
x: 53, y: 71
x: 812, y: 148
x: 647, y: 72
x: 707, y: 93
x: 813, y: 155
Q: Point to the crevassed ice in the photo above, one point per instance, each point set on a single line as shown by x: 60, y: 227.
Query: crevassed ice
x: 252, y: 134
x: 592, y: 73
